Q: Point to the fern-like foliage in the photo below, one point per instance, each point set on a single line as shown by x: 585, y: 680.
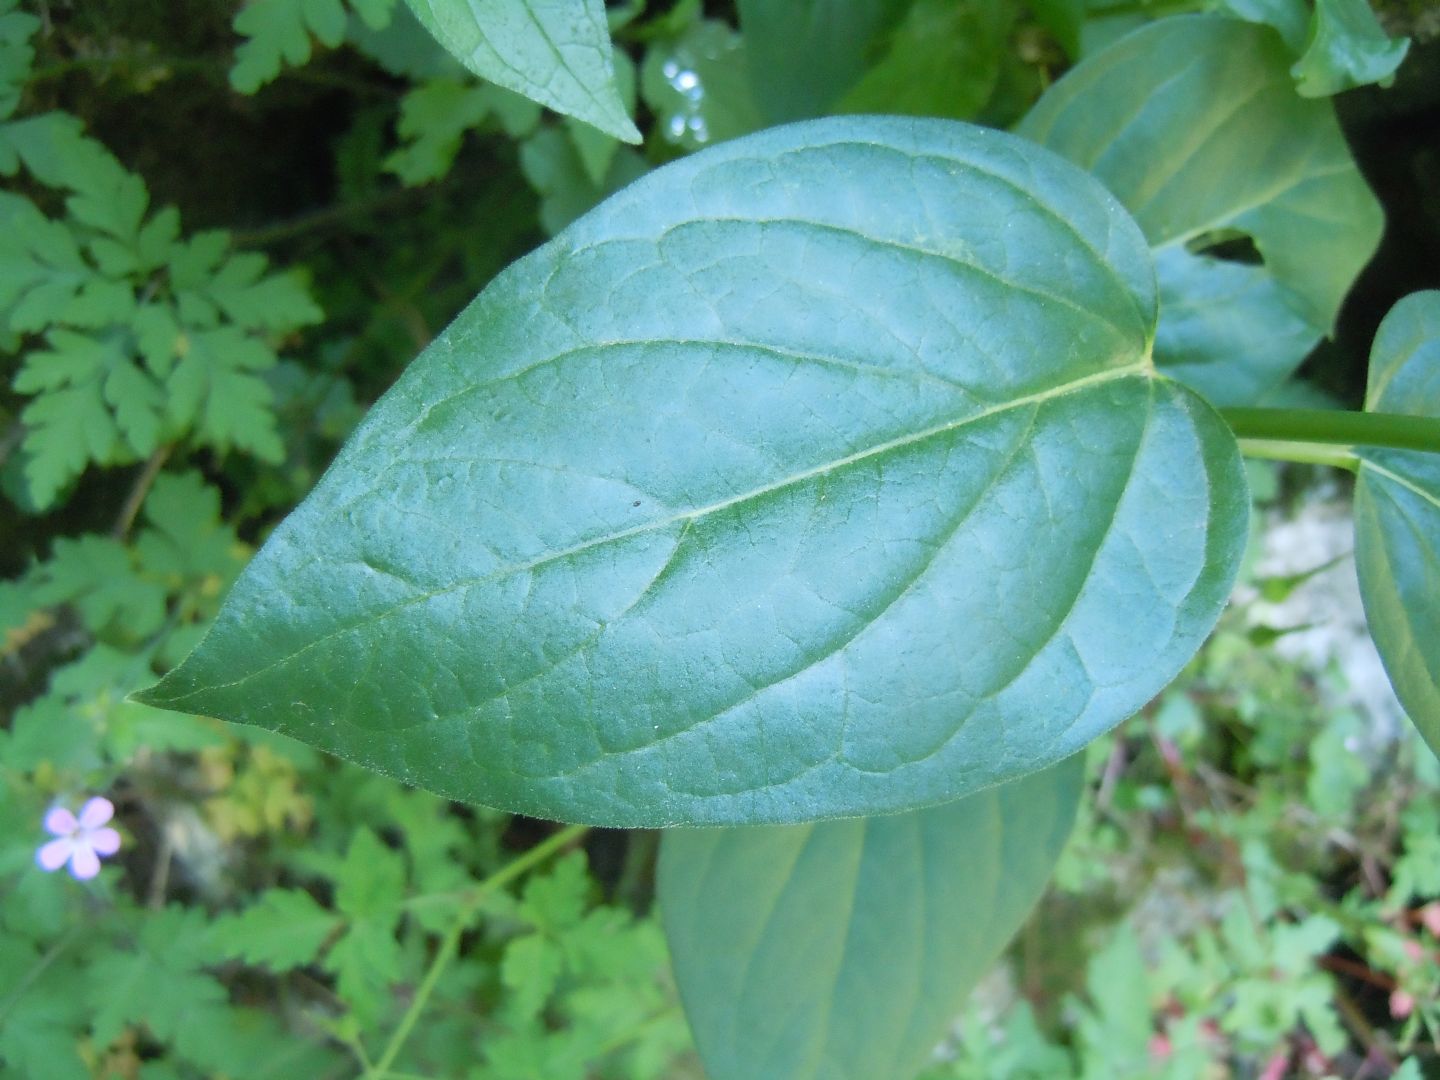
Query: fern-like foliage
x: 280, y: 32
x: 131, y: 335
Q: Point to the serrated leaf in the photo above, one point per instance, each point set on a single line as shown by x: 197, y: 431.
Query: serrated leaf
x: 283, y: 929
x: 530, y: 970
x: 42, y: 270
x: 251, y: 298
x: 788, y: 484
x: 56, y: 150
x: 16, y: 56
x: 215, y: 389
x: 804, y: 54
x: 98, y: 576
x: 1170, y: 117
x: 69, y: 424
x: 556, y: 52
x: 278, y: 32
x: 157, y: 981
x: 845, y: 949
x: 366, y: 960
x: 434, y: 117
x: 184, y: 539
x: 371, y: 880
x: 1346, y: 48
x: 1397, y: 513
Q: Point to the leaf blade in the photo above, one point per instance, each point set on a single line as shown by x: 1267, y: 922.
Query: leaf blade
x: 843, y: 949
x: 1397, y: 513
x: 726, y: 540
x: 556, y: 52
x: 1168, y: 118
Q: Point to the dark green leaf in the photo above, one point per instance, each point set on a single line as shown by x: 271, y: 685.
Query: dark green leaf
x: 844, y: 949
x: 556, y: 52
x: 1397, y: 513
x: 1195, y: 125
x: 805, y: 53
x: 821, y: 473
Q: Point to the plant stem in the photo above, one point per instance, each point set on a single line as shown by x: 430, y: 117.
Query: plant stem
x: 1339, y: 457
x: 1332, y: 428
x: 448, y: 948
x: 139, y: 490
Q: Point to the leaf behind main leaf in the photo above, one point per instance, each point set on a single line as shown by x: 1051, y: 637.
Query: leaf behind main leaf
x: 556, y: 52
x: 1397, y: 513
x: 821, y: 473
x: 1194, y: 123
x: 842, y: 950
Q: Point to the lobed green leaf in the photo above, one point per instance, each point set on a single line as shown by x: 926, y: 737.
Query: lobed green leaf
x: 821, y: 473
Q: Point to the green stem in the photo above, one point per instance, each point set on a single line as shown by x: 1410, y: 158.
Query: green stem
x: 1339, y: 457
x: 1334, y: 428
x: 451, y: 945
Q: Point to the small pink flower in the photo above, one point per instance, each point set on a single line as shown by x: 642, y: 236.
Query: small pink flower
x: 1402, y: 1004
x: 81, y: 841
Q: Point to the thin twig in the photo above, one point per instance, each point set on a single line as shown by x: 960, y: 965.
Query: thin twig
x: 139, y: 490
x: 325, y: 217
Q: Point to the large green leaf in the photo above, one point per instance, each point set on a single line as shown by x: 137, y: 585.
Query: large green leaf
x: 1397, y: 513
x: 844, y: 949
x: 804, y: 54
x: 821, y: 473
x: 556, y: 52
x: 1195, y: 125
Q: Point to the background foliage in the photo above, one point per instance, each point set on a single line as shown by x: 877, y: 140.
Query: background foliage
x: 225, y: 231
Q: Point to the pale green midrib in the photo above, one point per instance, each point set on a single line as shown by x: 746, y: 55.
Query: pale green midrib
x: 1142, y: 368
x: 1429, y: 496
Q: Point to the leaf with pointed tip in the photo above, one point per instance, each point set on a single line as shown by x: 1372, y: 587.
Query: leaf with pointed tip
x: 844, y: 949
x: 821, y: 473
x: 1397, y: 513
x: 1170, y: 118
x: 556, y: 52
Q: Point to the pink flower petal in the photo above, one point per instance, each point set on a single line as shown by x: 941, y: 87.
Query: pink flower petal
x: 60, y: 822
x: 84, y: 864
x: 96, y: 812
x: 55, y: 854
x: 105, y: 841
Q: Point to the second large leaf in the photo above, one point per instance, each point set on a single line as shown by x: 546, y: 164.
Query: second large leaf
x: 822, y: 473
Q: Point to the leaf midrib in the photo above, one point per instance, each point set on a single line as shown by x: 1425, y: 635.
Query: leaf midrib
x: 1141, y: 368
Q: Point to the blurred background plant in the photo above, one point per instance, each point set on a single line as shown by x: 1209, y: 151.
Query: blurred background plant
x: 224, y: 231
